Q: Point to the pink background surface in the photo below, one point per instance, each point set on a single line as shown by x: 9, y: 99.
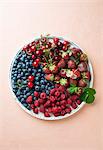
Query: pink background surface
x: 82, y: 22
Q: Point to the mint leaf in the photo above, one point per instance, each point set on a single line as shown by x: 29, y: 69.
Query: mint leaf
x: 72, y: 89
x: 88, y: 95
x: 90, y: 90
x: 90, y: 99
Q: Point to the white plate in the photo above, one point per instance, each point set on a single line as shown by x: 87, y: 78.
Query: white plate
x: 41, y: 115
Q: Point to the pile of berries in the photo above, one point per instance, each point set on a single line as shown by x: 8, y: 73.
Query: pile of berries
x: 48, y: 76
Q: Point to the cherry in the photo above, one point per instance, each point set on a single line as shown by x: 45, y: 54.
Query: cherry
x: 56, y: 40
x: 31, y: 78
x: 30, y: 84
x: 39, y: 52
x: 37, y: 60
x: 35, y: 64
x: 65, y: 43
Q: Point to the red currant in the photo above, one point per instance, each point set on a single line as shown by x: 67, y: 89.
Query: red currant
x: 33, y: 56
x: 31, y: 78
x: 30, y: 84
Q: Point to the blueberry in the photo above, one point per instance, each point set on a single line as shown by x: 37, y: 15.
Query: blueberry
x: 27, y: 89
x: 25, y: 82
x: 35, y: 98
x: 25, y: 104
x: 42, y: 82
x: 37, y: 88
x: 39, y: 70
x: 28, y: 107
x: 49, y: 88
x: 46, y: 86
x: 37, y: 83
x: 38, y: 74
x: 24, y: 78
x: 22, y: 58
x: 42, y: 75
x: 18, y: 93
x: 42, y: 86
x: 36, y: 78
x: 23, y: 65
x: 25, y: 96
x: 29, y: 69
x: 47, y: 92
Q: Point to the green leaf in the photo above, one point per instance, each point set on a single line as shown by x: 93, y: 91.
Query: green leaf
x: 88, y: 95
x: 84, y: 96
x: 90, y: 90
x: 72, y: 89
x: 90, y: 99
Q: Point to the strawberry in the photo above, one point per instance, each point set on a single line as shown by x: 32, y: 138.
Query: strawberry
x: 86, y: 75
x: 61, y: 63
x: 29, y: 99
x: 82, y: 67
x: 46, y: 70
x: 83, y: 57
x: 76, y: 74
x: 49, y: 77
x: 82, y: 83
x: 73, y: 81
x: 76, y: 52
x: 65, y: 55
x: 63, y: 73
x: 53, y: 68
x: 57, y: 78
x: 71, y: 64
x: 64, y: 82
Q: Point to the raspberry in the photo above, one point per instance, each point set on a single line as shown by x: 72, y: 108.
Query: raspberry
x: 32, y: 106
x: 68, y: 110
x: 57, y: 93
x: 62, y: 96
x: 78, y: 102
x: 43, y: 95
x: 63, y: 102
x: 47, y: 103
x: 46, y: 114
x: 29, y: 99
x: 57, y: 103
x: 54, y: 110
x: 74, y: 97
x: 49, y: 109
x: 36, y: 94
x: 63, y: 112
x: 42, y: 108
x: 35, y: 110
x: 41, y: 101
x: 52, y: 99
x: 74, y: 105
x: 63, y: 107
x: 52, y: 91
x: 61, y: 88
x: 57, y: 114
x: 36, y: 103
x: 69, y: 101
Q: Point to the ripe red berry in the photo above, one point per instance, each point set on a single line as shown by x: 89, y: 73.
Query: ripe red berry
x: 30, y: 84
x: 36, y: 94
x: 57, y: 93
x: 74, y: 97
x: 31, y: 78
x: 33, y: 56
x: 50, y: 110
x: 65, y: 43
x: 32, y: 106
x: 39, y: 52
x: 52, y: 91
x: 36, y: 103
x: 68, y: 110
x: 74, y: 105
x: 42, y: 108
x: 69, y: 101
x: 43, y: 95
x: 63, y: 112
x: 55, y: 110
x: 52, y: 99
x: 37, y: 60
x: 46, y: 114
x: 78, y: 102
x: 62, y: 96
x: 35, y: 110
x: 29, y: 99
x: 35, y: 64
x: 56, y: 40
